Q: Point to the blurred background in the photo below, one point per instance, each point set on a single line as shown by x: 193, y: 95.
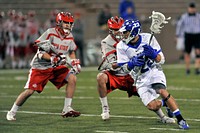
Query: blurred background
x: 23, y: 21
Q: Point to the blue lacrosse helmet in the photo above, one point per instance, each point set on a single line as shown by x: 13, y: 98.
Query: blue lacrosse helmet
x: 134, y: 27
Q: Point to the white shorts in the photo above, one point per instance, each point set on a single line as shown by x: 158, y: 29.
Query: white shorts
x: 147, y: 95
x: 144, y: 85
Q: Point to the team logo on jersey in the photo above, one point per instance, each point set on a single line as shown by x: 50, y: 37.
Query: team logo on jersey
x: 34, y: 85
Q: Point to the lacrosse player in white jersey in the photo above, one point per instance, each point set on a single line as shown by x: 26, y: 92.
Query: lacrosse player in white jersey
x: 49, y: 64
x: 143, y: 58
x: 110, y: 79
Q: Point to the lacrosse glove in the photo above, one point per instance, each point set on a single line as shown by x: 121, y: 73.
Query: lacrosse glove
x: 76, y: 67
x: 136, y: 61
x: 58, y: 60
x: 150, y: 52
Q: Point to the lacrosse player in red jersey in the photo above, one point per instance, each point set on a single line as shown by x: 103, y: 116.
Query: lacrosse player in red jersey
x: 56, y: 47
x: 141, y: 54
x: 110, y: 78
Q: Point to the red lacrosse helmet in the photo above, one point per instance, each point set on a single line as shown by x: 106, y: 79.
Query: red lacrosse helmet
x: 115, y: 23
x: 64, y: 17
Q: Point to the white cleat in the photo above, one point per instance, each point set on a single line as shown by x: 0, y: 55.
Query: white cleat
x: 69, y: 112
x: 105, y: 113
x: 105, y: 116
x: 168, y: 120
x: 11, y: 116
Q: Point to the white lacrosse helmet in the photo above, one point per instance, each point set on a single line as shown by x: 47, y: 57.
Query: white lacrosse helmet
x: 134, y: 27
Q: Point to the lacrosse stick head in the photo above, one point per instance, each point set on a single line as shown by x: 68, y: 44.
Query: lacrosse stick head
x: 157, y: 20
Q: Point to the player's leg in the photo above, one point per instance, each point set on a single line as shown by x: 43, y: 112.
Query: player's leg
x: 102, y: 80
x: 68, y: 111
x: 149, y: 99
x: 18, y: 103
x: 171, y: 103
x: 36, y: 82
x: 155, y: 106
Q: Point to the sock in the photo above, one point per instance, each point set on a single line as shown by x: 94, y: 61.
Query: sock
x: 68, y: 102
x: 163, y: 103
x: 14, y: 108
x: 178, y: 115
x: 104, y: 102
x: 160, y: 113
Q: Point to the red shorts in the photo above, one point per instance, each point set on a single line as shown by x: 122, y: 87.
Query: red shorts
x: 38, y: 78
x: 124, y: 83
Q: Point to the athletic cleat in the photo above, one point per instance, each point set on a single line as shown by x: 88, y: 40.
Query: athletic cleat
x: 105, y: 113
x: 183, y: 125
x: 11, y: 116
x: 168, y: 120
x: 70, y: 113
x: 169, y: 112
x: 105, y: 116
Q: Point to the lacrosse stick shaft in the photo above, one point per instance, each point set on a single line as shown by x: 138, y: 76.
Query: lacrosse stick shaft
x: 136, y: 77
x: 157, y: 19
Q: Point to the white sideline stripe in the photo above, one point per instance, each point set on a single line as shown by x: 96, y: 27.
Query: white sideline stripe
x: 99, y: 131
x: 92, y: 115
x: 93, y: 87
x: 165, y: 66
x: 165, y: 129
x: 3, y: 95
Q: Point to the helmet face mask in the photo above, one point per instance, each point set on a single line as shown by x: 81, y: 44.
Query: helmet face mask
x: 115, y: 33
x: 114, y: 24
x: 130, y: 29
x: 64, y: 21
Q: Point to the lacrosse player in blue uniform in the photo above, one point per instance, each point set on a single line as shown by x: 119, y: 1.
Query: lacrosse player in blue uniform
x: 141, y: 54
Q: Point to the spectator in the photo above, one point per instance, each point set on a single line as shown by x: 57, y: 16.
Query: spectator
x: 2, y: 40
x: 103, y: 17
x: 78, y: 32
x: 51, y: 21
x: 189, y: 26
x: 127, y: 10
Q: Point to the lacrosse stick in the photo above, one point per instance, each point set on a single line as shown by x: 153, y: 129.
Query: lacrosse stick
x: 157, y: 20
x: 47, y: 47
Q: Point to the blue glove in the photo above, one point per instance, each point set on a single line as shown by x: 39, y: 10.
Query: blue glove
x: 136, y: 61
x: 150, y: 52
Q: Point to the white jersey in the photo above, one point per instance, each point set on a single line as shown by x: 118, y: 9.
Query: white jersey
x: 151, y: 72
x: 109, y: 55
x: 62, y: 45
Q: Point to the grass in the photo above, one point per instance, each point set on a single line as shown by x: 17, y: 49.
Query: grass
x: 41, y: 112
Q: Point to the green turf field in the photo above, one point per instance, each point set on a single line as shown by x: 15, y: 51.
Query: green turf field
x: 41, y: 113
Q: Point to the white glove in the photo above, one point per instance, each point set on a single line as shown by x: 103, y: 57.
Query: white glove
x: 76, y: 67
